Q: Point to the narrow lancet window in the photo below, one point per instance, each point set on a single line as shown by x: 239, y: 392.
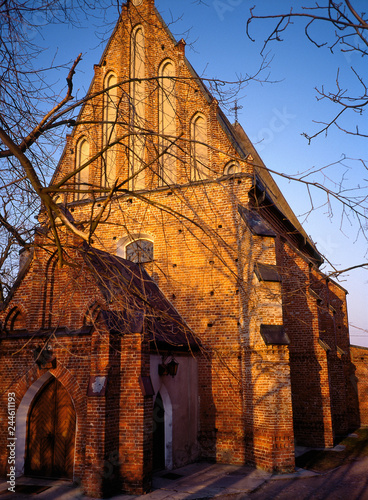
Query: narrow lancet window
x: 109, y: 131
x: 137, y: 110
x: 167, y: 123
x: 82, y: 176
x: 199, y: 148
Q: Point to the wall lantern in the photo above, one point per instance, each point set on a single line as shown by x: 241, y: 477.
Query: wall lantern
x: 170, y: 368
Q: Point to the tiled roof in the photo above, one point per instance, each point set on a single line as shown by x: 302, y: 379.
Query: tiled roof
x: 141, y: 304
x: 255, y: 222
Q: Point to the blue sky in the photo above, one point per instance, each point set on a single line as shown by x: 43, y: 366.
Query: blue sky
x: 274, y: 115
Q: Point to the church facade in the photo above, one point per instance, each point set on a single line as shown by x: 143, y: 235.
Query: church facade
x: 194, y: 324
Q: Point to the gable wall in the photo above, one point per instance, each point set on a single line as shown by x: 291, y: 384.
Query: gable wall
x: 190, y: 99
x: 50, y: 297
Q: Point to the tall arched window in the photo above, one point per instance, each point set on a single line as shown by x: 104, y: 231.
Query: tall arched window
x: 167, y: 123
x: 109, y: 130
x: 82, y: 177
x: 198, y: 135
x: 137, y: 109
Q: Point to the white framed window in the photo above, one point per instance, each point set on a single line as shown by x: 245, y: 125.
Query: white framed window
x: 138, y: 248
x: 139, y: 251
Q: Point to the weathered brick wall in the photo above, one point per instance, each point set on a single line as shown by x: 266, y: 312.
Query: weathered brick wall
x: 135, y: 439
x: 359, y: 377
x: 108, y: 427
x: 269, y: 410
x: 308, y: 364
x: 207, y: 273
x: 314, y: 311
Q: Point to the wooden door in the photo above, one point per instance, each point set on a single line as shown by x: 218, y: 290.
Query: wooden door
x: 51, y: 433
x: 158, y: 456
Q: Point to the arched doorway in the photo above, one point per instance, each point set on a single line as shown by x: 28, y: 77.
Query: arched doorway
x: 158, y: 455
x: 51, y: 433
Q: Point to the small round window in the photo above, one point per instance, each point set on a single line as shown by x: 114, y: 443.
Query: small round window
x: 139, y: 251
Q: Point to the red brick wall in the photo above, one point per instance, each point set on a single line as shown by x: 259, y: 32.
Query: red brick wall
x: 315, y: 309
x: 203, y: 261
x: 359, y: 377
x: 253, y: 397
x: 108, y: 427
x: 207, y: 272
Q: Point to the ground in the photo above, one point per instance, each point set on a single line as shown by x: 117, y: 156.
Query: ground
x: 333, y: 474
x: 349, y: 481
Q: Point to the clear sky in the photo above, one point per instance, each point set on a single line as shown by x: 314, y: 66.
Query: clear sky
x: 274, y: 115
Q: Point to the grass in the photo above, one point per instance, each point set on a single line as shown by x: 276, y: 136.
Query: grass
x: 325, y: 460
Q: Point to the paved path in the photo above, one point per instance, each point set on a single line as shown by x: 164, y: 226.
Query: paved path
x: 348, y: 482
x: 204, y: 481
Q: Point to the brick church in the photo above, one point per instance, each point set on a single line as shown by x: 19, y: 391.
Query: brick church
x: 193, y: 323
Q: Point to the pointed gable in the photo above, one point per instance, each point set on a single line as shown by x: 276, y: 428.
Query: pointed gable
x: 150, y: 122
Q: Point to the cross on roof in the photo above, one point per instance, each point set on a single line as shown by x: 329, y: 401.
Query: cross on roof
x: 236, y: 109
